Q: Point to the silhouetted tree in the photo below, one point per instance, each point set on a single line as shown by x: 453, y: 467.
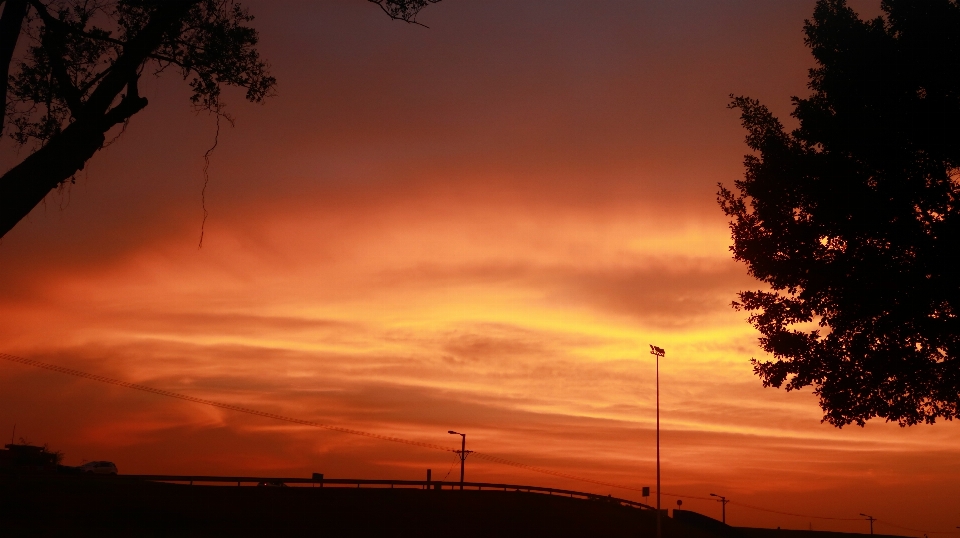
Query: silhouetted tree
x: 853, y: 218
x: 82, y: 62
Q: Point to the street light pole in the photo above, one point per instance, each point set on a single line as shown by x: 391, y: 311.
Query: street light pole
x: 871, y: 519
x: 723, y: 501
x: 462, y: 453
x: 659, y: 352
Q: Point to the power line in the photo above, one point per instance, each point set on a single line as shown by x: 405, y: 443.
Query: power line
x: 239, y: 409
x: 752, y: 507
x: 221, y: 405
x: 481, y: 455
x: 887, y: 523
x: 452, y: 465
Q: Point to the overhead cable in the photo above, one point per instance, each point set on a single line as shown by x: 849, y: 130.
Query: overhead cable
x: 314, y: 424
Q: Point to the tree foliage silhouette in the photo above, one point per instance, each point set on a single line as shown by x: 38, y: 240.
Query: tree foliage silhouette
x: 81, y: 64
x: 852, y: 219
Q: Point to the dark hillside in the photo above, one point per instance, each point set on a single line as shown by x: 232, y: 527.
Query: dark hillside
x: 79, y: 505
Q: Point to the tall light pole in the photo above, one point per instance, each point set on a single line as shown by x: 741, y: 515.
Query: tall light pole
x: 723, y: 501
x: 659, y: 352
x: 871, y: 519
x: 462, y: 453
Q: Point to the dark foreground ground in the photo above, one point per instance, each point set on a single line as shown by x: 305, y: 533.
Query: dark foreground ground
x: 76, y: 505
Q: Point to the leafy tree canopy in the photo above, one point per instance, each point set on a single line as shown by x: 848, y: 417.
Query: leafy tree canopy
x: 81, y: 62
x: 853, y: 218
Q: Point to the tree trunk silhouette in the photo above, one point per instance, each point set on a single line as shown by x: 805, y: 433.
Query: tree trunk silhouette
x: 77, y: 81
x: 25, y: 185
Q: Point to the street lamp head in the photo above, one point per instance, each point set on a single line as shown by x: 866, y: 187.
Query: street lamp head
x: 451, y: 432
x: 714, y: 495
x: 654, y: 350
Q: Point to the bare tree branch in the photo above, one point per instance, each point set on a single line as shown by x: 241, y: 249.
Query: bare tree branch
x: 53, y: 44
x: 404, y: 10
x: 61, y: 26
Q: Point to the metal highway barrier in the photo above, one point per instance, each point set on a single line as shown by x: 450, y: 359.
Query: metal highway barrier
x: 421, y: 484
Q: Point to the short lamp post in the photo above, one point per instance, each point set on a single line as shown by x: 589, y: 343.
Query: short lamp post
x: 462, y: 453
x: 871, y: 519
x: 723, y: 501
x: 659, y: 352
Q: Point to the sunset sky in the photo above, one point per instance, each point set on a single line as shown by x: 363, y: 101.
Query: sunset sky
x: 480, y: 226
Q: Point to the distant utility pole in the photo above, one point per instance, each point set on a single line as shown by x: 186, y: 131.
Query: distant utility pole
x: 463, y: 452
x: 871, y: 519
x: 723, y: 501
x: 659, y: 352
